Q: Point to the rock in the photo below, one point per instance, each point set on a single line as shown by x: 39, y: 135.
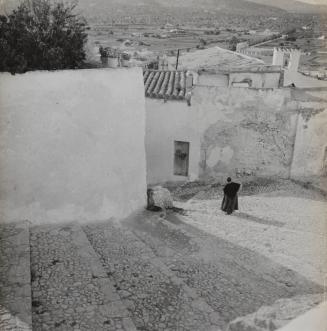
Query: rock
x: 159, y: 197
x: 270, y: 318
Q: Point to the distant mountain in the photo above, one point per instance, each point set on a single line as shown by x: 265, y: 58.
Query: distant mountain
x: 294, y: 6
x: 100, y: 8
x: 150, y: 7
x: 242, y: 7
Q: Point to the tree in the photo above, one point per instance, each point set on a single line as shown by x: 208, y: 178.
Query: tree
x: 42, y: 35
x: 232, y: 43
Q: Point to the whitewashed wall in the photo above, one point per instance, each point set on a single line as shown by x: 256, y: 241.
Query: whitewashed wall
x: 259, y: 80
x: 72, y: 145
x: 310, y: 152
x: 232, y: 131
x: 166, y: 123
x: 245, y: 131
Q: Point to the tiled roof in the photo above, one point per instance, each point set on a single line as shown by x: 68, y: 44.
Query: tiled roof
x: 164, y: 84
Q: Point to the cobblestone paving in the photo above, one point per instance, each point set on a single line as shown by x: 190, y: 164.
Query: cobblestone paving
x: 156, y: 299
x: 148, y: 272
x: 15, y: 289
x: 70, y: 288
x: 234, y: 281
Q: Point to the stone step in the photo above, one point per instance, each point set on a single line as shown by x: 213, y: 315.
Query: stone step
x: 70, y: 288
x: 232, y: 280
x: 15, y: 281
x: 155, y: 297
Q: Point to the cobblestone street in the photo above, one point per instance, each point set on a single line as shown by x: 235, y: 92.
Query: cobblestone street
x: 15, y: 283
x: 156, y: 298
x: 70, y: 289
x: 194, y: 270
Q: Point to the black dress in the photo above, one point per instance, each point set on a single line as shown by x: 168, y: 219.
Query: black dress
x: 230, y: 200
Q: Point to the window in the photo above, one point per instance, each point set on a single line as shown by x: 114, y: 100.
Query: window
x: 240, y: 84
x: 247, y: 82
x: 181, y: 158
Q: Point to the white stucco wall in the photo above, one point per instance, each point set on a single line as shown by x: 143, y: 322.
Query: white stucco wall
x: 72, y: 145
x: 311, y: 144
x: 245, y: 131
x: 259, y: 80
x: 213, y: 80
x: 166, y: 123
x: 239, y: 132
x: 231, y: 131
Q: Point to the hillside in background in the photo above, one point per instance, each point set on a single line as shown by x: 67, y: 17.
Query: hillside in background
x: 240, y: 7
x: 294, y: 6
x: 159, y: 7
x: 182, y: 8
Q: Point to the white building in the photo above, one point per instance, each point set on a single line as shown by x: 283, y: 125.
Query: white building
x: 240, y: 120
x: 72, y: 145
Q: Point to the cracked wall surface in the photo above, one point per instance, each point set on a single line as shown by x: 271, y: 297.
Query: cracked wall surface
x: 245, y: 132
x: 71, y: 144
x: 311, y: 137
x: 238, y: 132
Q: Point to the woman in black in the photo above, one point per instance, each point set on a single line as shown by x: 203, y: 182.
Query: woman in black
x: 230, y: 200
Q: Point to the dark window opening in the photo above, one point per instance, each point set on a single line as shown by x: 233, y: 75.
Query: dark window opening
x: 244, y: 83
x: 181, y: 158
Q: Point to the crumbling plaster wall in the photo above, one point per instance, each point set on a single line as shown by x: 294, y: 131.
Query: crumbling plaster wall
x: 310, y: 152
x: 238, y: 132
x: 72, y: 145
x: 245, y: 131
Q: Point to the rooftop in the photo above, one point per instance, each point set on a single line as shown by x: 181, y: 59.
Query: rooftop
x: 165, y: 84
x: 216, y: 59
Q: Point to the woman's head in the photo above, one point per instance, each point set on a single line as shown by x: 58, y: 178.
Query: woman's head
x: 229, y: 179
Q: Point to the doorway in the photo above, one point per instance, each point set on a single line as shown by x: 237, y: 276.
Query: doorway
x: 181, y: 158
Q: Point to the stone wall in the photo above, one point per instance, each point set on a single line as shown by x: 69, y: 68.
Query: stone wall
x: 72, y: 145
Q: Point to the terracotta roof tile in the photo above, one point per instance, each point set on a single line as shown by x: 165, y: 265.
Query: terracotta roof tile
x: 164, y: 84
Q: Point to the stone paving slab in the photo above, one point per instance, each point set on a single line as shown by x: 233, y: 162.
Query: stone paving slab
x: 15, y: 284
x: 234, y: 281
x: 71, y: 290
x: 155, y: 297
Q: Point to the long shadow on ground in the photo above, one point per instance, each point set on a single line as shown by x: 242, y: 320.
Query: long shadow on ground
x: 233, y: 280
x: 259, y: 220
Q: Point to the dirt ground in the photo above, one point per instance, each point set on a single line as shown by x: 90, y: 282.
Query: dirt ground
x: 281, y: 219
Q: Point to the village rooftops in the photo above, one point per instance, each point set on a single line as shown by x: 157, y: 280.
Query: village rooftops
x: 165, y: 84
x: 216, y: 59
